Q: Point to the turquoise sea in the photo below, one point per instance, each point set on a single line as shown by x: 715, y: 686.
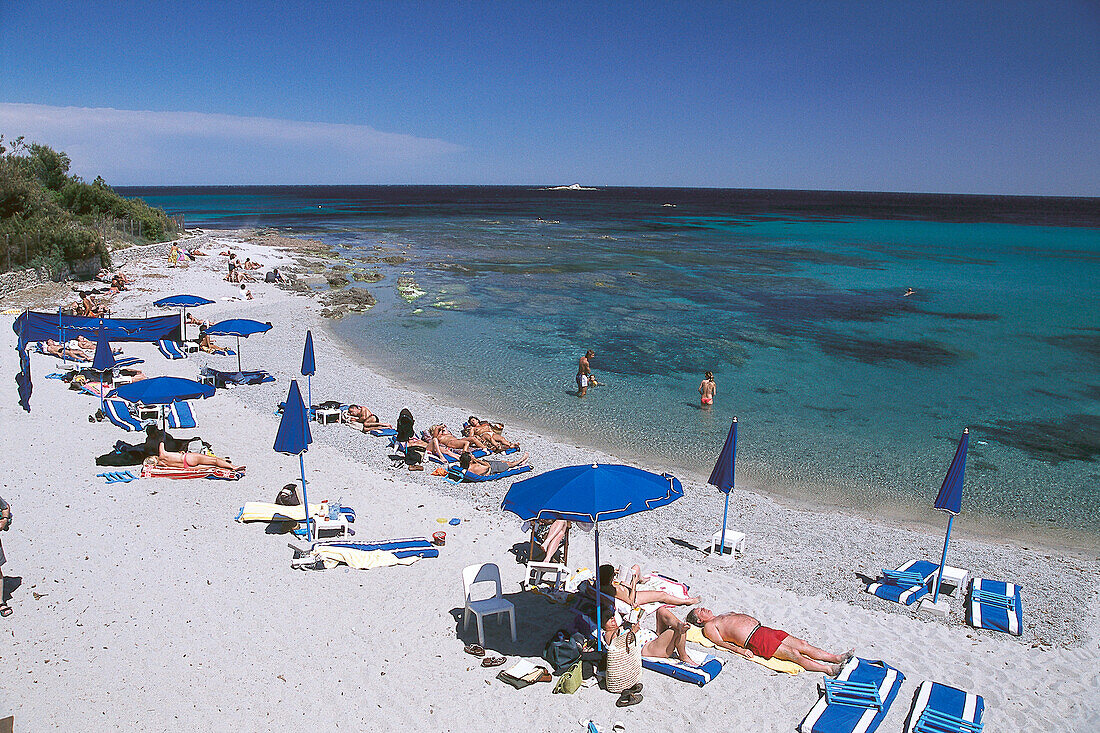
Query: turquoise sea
x: 846, y: 391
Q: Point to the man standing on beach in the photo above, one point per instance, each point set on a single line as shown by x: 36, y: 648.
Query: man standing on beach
x: 584, y: 373
x: 5, y: 522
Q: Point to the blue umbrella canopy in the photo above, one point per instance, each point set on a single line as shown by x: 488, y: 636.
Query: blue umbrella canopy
x: 104, y: 358
x: 181, y: 301
x: 242, y: 327
x: 950, y: 497
x: 309, y: 366
x: 293, y: 437
x: 722, y: 475
x: 591, y: 493
x: 162, y: 390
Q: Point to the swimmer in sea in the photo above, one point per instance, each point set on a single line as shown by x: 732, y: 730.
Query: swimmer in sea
x: 707, y: 390
x: 908, y: 292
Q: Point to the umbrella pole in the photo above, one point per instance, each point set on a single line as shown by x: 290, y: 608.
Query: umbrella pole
x: 943, y: 560
x: 309, y: 387
x: 599, y: 589
x: 305, y: 498
x: 725, y: 515
x: 239, y: 355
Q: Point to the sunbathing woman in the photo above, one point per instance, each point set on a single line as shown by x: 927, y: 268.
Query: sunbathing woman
x: 489, y: 467
x: 366, y: 419
x: 92, y: 309
x: 629, y: 594
x: 452, y: 441
x: 487, y: 433
x: 207, y: 344
x: 186, y: 459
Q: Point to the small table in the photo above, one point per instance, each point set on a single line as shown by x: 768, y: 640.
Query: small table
x: 953, y: 581
x: 327, y: 416
x: 148, y: 413
x: 209, y: 379
x: 324, y: 527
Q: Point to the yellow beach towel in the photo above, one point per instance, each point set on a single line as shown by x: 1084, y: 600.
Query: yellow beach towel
x: 695, y: 636
x: 259, y: 511
x: 360, y: 559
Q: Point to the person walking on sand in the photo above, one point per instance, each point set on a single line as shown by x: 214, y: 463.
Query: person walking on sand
x: 5, y: 522
x: 707, y: 390
x: 584, y: 373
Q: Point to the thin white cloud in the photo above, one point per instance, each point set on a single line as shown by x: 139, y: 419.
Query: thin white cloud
x: 148, y: 147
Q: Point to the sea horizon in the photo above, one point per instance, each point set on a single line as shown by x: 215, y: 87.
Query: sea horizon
x: 794, y: 299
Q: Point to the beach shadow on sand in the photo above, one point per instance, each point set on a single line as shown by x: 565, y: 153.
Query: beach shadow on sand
x: 11, y: 584
x: 536, y: 621
x: 687, y: 545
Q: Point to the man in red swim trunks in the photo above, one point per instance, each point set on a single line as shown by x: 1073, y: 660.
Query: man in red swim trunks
x: 741, y: 633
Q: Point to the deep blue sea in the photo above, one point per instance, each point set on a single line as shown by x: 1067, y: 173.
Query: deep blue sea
x: 846, y: 391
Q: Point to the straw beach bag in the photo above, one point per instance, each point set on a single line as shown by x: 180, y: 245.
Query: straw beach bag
x: 624, y: 662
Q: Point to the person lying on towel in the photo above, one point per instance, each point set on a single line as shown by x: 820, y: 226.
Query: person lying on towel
x: 187, y: 459
x: 361, y: 417
x: 489, y: 433
x: 488, y: 468
x: 628, y: 593
x: 68, y: 352
x: 744, y: 635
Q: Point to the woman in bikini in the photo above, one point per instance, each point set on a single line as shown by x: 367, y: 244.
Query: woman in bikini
x: 629, y: 594
x: 187, y: 459
x: 486, y: 432
x: 455, y: 443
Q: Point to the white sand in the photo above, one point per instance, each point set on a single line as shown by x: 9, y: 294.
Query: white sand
x: 144, y: 605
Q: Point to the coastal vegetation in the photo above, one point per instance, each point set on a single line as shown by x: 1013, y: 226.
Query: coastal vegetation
x: 51, y: 219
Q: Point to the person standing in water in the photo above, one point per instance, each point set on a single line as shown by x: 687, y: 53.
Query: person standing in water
x: 707, y: 390
x: 584, y: 373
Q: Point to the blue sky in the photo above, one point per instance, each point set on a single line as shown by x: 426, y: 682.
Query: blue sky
x: 952, y: 97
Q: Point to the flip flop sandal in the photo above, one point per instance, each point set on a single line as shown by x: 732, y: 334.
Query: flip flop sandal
x: 476, y: 649
x: 627, y: 699
x: 5, y: 610
x: 618, y: 728
x: 493, y: 661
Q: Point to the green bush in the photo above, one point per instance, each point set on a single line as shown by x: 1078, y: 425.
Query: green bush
x: 54, y: 217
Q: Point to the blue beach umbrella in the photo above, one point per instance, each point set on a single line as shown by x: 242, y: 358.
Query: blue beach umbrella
x: 162, y: 391
x: 591, y: 493
x: 294, y: 438
x: 239, y: 327
x: 104, y: 359
x: 722, y: 475
x: 309, y: 366
x: 950, y: 499
x: 183, y: 302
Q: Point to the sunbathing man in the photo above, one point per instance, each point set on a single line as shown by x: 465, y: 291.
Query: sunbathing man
x: 488, y: 434
x: 744, y: 635
x: 91, y: 309
x: 191, y: 320
x: 68, y: 352
x: 366, y: 419
x: 207, y: 344
x: 250, y: 265
x: 628, y: 593
x: 186, y: 459
x: 479, y: 467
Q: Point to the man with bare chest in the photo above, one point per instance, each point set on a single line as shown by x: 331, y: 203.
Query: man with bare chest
x: 744, y: 635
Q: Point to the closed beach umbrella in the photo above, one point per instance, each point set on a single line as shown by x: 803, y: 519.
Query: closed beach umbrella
x: 239, y: 327
x: 309, y: 366
x: 183, y: 302
x: 722, y: 475
x: 950, y: 499
x: 294, y: 438
x: 104, y: 359
x: 591, y: 493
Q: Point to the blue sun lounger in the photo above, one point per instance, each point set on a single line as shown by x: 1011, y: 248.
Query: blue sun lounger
x: 170, y: 350
x: 907, y: 584
x: 222, y: 379
x: 856, y: 701
x: 179, y: 415
x: 995, y: 605
x: 940, y: 708
x: 407, y: 547
x: 707, y: 670
x: 118, y: 412
x: 383, y: 432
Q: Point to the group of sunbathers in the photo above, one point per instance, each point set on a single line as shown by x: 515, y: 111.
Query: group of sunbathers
x: 735, y: 632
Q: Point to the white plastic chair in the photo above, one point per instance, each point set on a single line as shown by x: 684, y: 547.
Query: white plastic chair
x: 486, y: 572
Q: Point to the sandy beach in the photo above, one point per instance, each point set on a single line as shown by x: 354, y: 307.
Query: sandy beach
x: 145, y: 605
